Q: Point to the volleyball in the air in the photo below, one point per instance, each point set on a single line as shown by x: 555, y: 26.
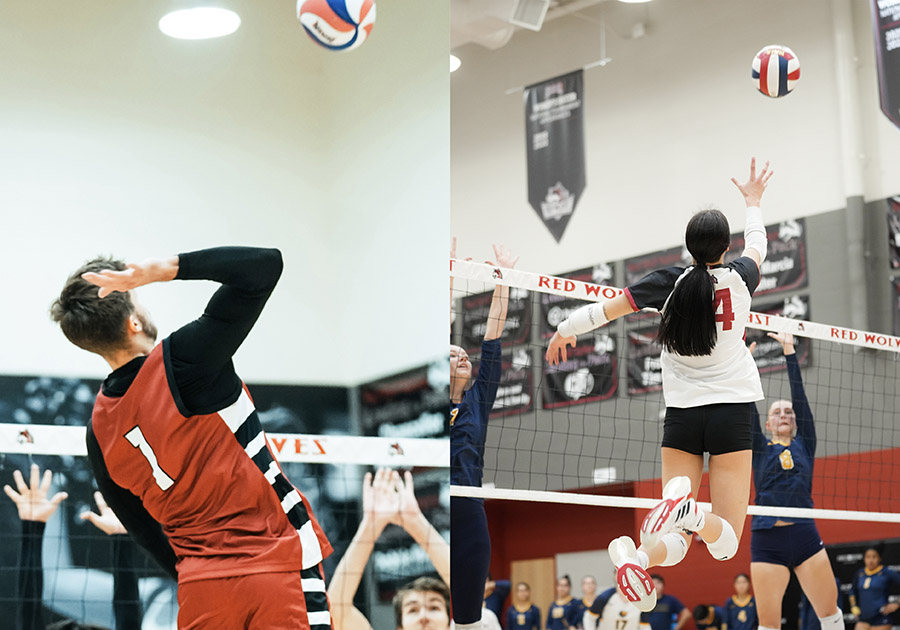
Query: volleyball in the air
x: 337, y: 24
x: 776, y: 70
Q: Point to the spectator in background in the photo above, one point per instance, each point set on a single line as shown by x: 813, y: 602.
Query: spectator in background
x: 669, y: 613
x: 588, y: 595
x: 870, y: 597
x: 423, y: 603
x: 709, y: 616
x: 522, y: 614
x: 35, y: 509
x: 495, y: 594
x: 611, y: 610
x: 740, y: 608
x: 564, y: 609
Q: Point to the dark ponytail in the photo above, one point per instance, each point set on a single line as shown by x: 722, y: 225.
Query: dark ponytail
x: 688, y: 324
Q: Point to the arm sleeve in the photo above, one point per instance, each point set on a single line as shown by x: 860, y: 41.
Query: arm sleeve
x: 126, y: 598
x: 806, y: 428
x: 759, y: 440
x: 537, y: 618
x: 31, y: 576
x: 488, y: 380
x: 654, y: 289
x: 854, y: 591
x: 601, y: 601
x: 201, y: 351
x: 142, y: 527
x: 748, y: 271
x: 677, y: 606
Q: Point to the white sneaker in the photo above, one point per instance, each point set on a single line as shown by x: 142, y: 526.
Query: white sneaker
x: 677, y: 510
x: 632, y: 578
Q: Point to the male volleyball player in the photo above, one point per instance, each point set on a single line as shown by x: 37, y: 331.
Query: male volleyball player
x: 178, y: 450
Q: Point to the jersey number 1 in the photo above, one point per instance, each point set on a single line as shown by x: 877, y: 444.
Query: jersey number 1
x: 138, y: 441
x: 723, y: 297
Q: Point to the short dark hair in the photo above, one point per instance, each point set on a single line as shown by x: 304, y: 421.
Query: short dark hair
x: 420, y: 585
x: 92, y: 323
x: 702, y: 612
x: 657, y: 576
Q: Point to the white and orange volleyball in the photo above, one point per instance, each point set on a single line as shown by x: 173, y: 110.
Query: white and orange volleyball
x: 337, y: 24
x: 776, y: 70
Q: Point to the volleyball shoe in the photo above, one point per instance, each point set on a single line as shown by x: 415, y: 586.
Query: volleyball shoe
x: 678, y: 511
x: 631, y: 576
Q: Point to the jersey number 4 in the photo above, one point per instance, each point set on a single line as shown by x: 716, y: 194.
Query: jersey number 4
x: 723, y: 297
x: 138, y: 441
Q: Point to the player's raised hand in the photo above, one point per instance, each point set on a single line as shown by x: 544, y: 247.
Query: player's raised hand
x: 31, y: 500
x: 409, y: 510
x: 754, y: 187
x: 557, y: 350
x: 133, y: 276
x: 504, y: 257
x: 381, y: 502
x: 106, y: 521
x: 785, y: 339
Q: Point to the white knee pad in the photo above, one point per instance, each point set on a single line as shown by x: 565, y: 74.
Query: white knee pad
x: 676, y: 549
x: 726, y: 545
x: 476, y: 625
x: 833, y: 622
x: 758, y: 628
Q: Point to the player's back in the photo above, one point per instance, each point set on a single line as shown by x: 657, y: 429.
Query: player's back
x: 209, y: 480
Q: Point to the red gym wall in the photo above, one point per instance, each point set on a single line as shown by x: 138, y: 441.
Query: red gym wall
x: 522, y: 530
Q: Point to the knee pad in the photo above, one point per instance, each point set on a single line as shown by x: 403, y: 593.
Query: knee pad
x: 833, y: 622
x: 726, y: 545
x: 676, y: 549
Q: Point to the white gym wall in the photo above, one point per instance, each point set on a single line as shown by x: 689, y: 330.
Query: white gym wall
x: 117, y: 139
x: 667, y: 123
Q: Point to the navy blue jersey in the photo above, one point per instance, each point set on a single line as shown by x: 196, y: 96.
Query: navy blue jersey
x: 740, y: 615
x: 717, y: 622
x: 494, y: 601
x: 783, y: 474
x: 664, y: 615
x: 469, y: 418
x: 871, y: 590
x: 563, y: 616
x: 527, y: 620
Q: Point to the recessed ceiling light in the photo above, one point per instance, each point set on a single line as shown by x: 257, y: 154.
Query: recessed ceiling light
x: 200, y: 23
x: 455, y: 63
x: 634, y: 1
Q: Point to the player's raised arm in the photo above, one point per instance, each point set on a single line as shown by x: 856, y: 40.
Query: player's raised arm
x: 500, y: 300
x: 755, y: 239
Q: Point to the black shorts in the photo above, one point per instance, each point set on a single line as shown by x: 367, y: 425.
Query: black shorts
x: 787, y: 545
x: 714, y: 429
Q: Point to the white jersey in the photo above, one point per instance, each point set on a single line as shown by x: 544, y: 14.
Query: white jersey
x: 728, y: 374
x: 616, y: 613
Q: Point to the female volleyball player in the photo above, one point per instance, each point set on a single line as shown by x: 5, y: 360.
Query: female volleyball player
x: 740, y: 609
x: 522, y: 614
x: 782, y: 474
x: 611, y: 611
x: 869, y: 597
x: 470, y: 543
x: 708, y: 379
x: 588, y: 595
x: 563, y: 613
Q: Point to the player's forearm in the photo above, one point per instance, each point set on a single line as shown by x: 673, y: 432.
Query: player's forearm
x: 349, y: 571
x: 31, y: 575
x: 427, y: 537
x: 497, y: 314
x: 253, y: 270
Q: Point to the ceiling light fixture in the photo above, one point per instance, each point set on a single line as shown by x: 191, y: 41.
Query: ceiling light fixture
x: 455, y: 63
x: 200, y: 23
x: 634, y: 1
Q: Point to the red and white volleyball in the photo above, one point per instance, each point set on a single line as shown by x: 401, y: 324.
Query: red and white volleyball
x: 337, y: 24
x: 776, y: 70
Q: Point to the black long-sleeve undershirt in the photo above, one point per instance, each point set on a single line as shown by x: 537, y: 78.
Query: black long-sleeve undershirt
x: 200, y: 354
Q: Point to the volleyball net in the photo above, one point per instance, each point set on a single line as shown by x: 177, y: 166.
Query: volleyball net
x: 588, y: 431
x: 81, y: 565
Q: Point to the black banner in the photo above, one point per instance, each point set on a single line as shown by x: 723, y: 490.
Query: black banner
x: 893, y: 219
x: 895, y: 286
x: 769, y: 354
x: 410, y: 404
x: 554, y: 146
x: 555, y: 308
x: 476, y: 308
x: 590, y: 373
x: 886, y: 20
x: 643, y: 357
x: 514, y: 396
x: 783, y: 269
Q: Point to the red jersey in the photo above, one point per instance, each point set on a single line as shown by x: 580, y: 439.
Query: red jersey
x: 210, y: 480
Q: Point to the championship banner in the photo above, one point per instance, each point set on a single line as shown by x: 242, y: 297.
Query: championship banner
x: 475, y: 311
x: 643, y: 360
x: 893, y: 219
x: 769, y: 354
x: 783, y: 269
x: 516, y: 383
x: 590, y: 374
x: 554, y: 148
x: 886, y: 20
